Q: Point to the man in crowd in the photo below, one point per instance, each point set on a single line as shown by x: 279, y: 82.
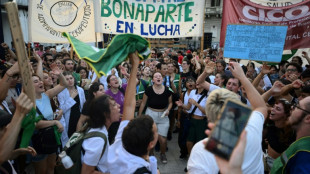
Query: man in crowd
x: 292, y: 72
x: 296, y: 158
x: 69, y: 66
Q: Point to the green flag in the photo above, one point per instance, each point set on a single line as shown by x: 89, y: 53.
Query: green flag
x: 104, y: 60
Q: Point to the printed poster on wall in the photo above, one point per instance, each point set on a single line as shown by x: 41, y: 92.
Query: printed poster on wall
x: 151, y: 18
x: 49, y: 18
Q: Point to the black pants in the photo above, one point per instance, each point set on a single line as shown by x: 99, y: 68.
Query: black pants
x: 183, y: 132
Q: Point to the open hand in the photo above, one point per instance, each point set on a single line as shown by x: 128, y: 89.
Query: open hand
x: 236, y: 70
x: 276, y: 88
x: 55, y: 69
x: 209, y: 67
x: 265, y: 69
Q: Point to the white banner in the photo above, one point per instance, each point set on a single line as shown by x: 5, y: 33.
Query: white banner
x: 276, y: 3
x: 151, y: 18
x: 49, y: 18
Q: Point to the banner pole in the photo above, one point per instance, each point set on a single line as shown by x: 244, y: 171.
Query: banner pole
x: 203, y: 28
x: 96, y: 44
x: 71, y: 52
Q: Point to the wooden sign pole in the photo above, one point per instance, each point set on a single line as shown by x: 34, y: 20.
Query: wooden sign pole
x: 21, y: 52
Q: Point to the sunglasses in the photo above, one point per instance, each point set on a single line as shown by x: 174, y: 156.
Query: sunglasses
x: 296, y: 105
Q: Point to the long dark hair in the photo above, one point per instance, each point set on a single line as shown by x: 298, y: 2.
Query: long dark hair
x: 286, y: 136
x: 93, y: 88
x: 99, y: 111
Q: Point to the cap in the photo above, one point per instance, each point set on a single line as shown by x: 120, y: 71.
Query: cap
x: 188, y: 51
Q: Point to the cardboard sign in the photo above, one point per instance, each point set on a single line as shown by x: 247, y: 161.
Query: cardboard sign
x: 255, y: 42
x: 21, y: 53
x: 150, y: 18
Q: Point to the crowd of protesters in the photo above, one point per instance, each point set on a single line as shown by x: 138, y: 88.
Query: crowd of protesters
x: 138, y: 106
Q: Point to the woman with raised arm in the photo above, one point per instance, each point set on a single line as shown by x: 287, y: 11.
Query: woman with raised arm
x: 135, y: 137
x: 45, y: 163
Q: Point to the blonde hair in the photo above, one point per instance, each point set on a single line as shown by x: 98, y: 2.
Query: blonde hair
x: 216, y: 100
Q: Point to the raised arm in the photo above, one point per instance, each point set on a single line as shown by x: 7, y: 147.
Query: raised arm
x: 8, y: 140
x: 254, y: 97
x: 62, y: 82
x: 255, y: 83
x: 209, y: 69
x: 294, y: 85
x: 130, y: 95
x: 6, y: 47
x: 5, y: 82
x: 274, y: 91
x: 198, y: 66
x: 306, y: 56
x: 39, y: 71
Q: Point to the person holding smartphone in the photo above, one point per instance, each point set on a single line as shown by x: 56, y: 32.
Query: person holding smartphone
x: 201, y: 160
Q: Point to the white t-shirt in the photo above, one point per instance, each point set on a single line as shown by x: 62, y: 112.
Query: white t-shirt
x: 204, y: 161
x: 93, y: 148
x: 119, y: 160
x: 187, y: 97
x: 202, y: 103
x: 201, y: 161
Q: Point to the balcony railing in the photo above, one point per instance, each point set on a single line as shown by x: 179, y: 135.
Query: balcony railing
x: 214, y: 10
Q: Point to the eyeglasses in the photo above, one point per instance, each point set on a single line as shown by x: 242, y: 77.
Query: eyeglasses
x: 50, y: 60
x: 296, y: 105
x: 291, y: 70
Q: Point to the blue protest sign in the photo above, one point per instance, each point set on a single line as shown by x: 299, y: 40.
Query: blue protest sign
x: 255, y: 42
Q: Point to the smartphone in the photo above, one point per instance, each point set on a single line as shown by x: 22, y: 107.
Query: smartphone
x: 224, y: 137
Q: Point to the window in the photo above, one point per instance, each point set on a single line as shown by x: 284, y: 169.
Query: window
x: 215, y: 3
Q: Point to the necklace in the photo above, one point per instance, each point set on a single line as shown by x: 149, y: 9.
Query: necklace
x: 158, y: 90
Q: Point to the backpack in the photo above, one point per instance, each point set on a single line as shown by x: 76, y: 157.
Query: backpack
x: 73, y: 149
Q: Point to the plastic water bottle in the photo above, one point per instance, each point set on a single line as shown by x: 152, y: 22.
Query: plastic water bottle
x: 66, y: 160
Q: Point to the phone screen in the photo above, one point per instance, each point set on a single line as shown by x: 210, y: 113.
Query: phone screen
x: 225, y: 135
